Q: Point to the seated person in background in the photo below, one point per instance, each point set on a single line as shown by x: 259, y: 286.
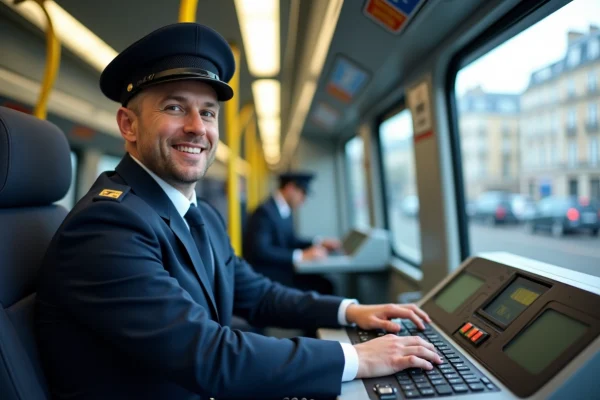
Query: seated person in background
x: 139, y: 284
x: 270, y: 243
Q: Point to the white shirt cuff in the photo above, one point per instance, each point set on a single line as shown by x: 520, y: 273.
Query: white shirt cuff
x: 342, y: 311
x: 297, y: 256
x: 351, y: 362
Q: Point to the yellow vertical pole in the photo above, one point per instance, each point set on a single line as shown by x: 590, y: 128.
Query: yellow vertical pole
x: 187, y: 10
x: 233, y: 141
x: 52, y: 65
x: 252, y: 157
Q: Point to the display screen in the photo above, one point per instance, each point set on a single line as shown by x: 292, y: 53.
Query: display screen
x: 544, y: 340
x: 514, y: 299
x: 459, y: 290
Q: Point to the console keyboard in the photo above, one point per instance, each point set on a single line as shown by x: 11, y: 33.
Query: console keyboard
x: 456, y: 375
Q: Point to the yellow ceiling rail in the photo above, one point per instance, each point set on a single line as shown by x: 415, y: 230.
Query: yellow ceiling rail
x: 52, y: 63
x: 187, y: 10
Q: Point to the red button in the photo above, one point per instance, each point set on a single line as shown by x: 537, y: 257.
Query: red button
x: 466, y: 327
x: 472, y: 332
x: 475, y: 337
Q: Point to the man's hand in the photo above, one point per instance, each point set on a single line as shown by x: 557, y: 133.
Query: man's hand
x: 331, y: 244
x: 378, y: 316
x: 314, y: 253
x: 389, y: 354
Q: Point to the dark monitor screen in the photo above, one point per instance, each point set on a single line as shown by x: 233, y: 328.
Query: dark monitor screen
x: 513, y: 300
x: 459, y: 290
x: 544, y: 340
x: 353, y: 241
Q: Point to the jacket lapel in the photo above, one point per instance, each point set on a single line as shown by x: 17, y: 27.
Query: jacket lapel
x: 148, y: 189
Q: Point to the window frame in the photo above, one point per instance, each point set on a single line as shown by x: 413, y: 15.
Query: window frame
x: 521, y: 17
x: 348, y: 188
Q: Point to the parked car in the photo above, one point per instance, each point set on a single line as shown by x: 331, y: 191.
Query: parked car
x: 561, y: 215
x: 496, y: 207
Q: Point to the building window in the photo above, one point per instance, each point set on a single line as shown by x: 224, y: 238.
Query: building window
x: 573, y: 187
x: 574, y: 56
x: 592, y: 117
x: 572, y: 153
x: 595, y: 188
x: 594, y: 151
x: 593, y: 48
x: 572, y: 118
x: 506, y: 166
x: 571, y: 88
x: 592, y: 81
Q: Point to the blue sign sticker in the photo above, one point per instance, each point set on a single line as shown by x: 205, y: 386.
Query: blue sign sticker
x: 405, y: 6
x: 346, y: 80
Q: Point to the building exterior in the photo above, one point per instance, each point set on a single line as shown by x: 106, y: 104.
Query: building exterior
x: 489, y: 136
x: 559, y: 123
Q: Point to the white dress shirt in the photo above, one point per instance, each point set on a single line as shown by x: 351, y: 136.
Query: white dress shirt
x: 182, y: 205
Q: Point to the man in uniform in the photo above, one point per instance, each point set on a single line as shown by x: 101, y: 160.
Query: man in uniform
x: 271, y: 245
x: 139, y: 284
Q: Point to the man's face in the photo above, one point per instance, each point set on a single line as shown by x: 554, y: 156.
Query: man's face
x: 297, y: 196
x: 176, y: 131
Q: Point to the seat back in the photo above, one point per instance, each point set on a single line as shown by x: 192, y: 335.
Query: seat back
x: 35, y: 171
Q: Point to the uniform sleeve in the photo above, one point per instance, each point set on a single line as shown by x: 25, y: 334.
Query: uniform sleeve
x: 110, y: 277
x: 264, y: 251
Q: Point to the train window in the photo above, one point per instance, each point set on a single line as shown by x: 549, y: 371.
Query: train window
x: 69, y: 200
x: 398, y: 160
x: 538, y: 106
x: 107, y: 163
x: 355, y: 165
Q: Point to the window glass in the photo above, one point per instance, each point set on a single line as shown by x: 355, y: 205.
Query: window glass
x: 553, y: 156
x: 355, y: 165
x: 107, y: 163
x: 397, y: 154
x: 69, y: 200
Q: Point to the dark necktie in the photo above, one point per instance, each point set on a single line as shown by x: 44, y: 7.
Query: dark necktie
x: 198, y: 231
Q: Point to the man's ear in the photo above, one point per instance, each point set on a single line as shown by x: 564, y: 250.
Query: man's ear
x: 127, y: 121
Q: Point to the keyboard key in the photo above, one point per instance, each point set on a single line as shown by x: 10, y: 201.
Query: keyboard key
x: 427, y: 392
x: 415, y: 371
x: 443, y: 389
x: 460, y: 388
x: 431, y: 372
x: 404, y: 382
x: 462, y: 367
x: 466, y: 374
x: 491, y: 386
x: 476, y: 387
x: 455, y: 381
x: 419, y: 379
x: 424, y: 385
x: 408, y: 387
x: 485, y: 380
x: 471, y: 380
x: 451, y: 376
x: 448, y: 352
x: 411, y: 394
x: 436, y: 382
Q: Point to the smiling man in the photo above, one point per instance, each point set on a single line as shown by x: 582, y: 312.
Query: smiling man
x: 139, y: 284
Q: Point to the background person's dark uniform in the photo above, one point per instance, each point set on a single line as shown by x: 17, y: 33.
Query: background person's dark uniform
x: 270, y: 241
x: 125, y: 307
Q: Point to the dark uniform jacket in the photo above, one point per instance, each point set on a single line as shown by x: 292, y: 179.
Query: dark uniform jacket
x: 269, y: 243
x: 125, y: 310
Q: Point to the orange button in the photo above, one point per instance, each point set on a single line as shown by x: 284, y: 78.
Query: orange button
x: 472, y: 332
x: 475, y: 337
x: 466, y: 327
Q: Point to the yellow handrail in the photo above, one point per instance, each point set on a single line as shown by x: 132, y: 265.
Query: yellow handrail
x: 253, y: 157
x: 52, y: 65
x: 187, y: 10
x: 233, y: 141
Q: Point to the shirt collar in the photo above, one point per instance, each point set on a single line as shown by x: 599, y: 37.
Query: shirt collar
x: 181, y: 203
x: 282, y: 205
